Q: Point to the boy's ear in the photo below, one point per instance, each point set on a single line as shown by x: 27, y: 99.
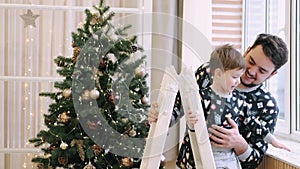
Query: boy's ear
x: 218, y: 72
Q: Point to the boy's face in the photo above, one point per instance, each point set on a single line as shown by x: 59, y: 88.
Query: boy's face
x: 259, y: 68
x: 231, y: 79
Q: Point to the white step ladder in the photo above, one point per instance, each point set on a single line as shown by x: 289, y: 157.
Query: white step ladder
x: 191, y: 101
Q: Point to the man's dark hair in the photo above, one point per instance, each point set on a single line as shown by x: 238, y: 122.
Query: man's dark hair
x: 273, y: 47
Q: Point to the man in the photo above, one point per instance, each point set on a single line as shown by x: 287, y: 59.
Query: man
x: 263, y: 59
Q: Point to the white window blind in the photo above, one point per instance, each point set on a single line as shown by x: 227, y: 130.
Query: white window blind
x: 227, y: 22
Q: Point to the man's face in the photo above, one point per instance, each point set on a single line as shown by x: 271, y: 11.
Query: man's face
x: 259, y: 68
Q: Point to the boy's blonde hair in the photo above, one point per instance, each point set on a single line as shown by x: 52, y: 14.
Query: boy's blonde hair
x: 225, y: 57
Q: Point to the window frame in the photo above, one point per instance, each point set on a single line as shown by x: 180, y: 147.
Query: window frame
x: 289, y: 127
x: 295, y: 70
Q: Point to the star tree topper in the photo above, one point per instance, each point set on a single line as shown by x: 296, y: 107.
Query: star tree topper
x: 29, y: 18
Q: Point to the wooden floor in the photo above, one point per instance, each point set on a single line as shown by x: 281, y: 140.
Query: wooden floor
x: 268, y: 163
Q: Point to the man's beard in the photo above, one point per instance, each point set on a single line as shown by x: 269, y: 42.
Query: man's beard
x: 248, y: 85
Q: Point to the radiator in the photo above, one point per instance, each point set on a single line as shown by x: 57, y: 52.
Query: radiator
x: 272, y: 163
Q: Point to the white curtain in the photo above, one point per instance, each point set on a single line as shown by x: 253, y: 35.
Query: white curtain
x: 166, y: 51
x: 166, y: 28
x: 181, y: 35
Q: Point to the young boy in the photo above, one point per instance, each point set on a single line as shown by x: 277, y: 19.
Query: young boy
x: 221, y: 101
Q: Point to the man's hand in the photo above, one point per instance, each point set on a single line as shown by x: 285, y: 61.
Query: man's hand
x: 153, y: 113
x: 228, y: 138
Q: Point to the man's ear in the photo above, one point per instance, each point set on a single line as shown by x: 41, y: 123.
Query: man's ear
x: 272, y: 74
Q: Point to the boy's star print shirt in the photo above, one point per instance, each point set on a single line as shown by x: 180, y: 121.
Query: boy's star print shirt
x: 216, y: 110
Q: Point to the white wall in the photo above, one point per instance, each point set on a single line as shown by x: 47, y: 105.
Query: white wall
x: 197, y: 32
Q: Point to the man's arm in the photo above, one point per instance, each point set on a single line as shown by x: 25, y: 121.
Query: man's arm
x: 265, y: 110
x: 249, y: 154
x: 252, y: 154
x: 228, y: 138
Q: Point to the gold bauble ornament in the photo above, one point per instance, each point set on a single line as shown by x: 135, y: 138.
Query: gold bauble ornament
x: 140, y: 72
x: 125, y: 120
x: 63, y: 145
x: 94, y: 94
x: 47, y: 155
x: 132, y: 133
x: 89, y: 166
x: 113, y: 37
x: 67, y: 93
x: 144, y: 100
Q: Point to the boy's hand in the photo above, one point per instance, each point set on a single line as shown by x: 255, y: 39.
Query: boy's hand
x: 191, y: 119
x: 276, y: 143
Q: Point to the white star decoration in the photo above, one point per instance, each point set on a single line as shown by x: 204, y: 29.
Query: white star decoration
x: 29, y: 18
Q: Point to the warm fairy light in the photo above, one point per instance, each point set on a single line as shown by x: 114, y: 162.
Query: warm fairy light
x: 25, y: 84
x: 27, y: 40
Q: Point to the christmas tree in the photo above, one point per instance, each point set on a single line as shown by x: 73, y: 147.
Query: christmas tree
x: 98, y: 115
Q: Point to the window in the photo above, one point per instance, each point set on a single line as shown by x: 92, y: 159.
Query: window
x: 278, y: 17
